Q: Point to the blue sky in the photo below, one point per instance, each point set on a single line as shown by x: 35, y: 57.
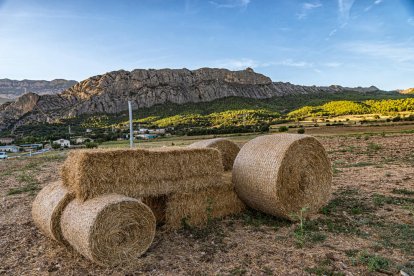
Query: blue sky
x: 313, y: 42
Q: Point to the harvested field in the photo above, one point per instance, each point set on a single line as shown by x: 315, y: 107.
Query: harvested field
x: 367, y: 228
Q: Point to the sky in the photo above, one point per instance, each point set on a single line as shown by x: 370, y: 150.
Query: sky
x: 313, y: 42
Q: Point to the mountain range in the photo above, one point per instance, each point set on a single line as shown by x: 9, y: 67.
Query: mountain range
x: 109, y: 93
x: 12, y: 89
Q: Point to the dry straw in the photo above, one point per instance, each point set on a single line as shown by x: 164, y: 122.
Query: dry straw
x: 196, y: 209
x: 281, y: 174
x: 158, y: 206
x: 227, y: 149
x: 141, y: 172
x: 47, y: 209
x: 109, y: 230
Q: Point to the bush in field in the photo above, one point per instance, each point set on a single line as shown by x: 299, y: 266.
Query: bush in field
x: 55, y: 146
x: 301, y: 130
x: 283, y: 129
x: 91, y: 145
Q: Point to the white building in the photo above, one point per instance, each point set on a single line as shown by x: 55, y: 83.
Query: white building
x: 6, y: 140
x: 81, y: 140
x: 10, y: 148
x: 157, y: 131
x: 63, y: 143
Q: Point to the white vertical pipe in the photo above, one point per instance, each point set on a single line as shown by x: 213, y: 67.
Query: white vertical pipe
x: 131, y: 131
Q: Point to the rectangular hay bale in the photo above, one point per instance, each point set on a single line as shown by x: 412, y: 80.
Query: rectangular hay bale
x: 198, y: 207
x: 141, y: 172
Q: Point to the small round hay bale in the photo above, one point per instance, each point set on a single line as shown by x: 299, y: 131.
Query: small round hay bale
x: 227, y: 149
x: 281, y: 174
x: 110, y: 229
x: 47, y: 209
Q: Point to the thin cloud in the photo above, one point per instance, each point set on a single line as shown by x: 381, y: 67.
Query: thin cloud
x: 334, y: 31
x: 230, y: 4
x: 236, y: 64
x: 332, y: 64
x: 292, y: 63
x: 307, y: 8
x: 396, y: 52
x: 376, y: 2
x: 344, y: 9
x: 242, y: 63
x: 288, y: 63
x: 410, y: 21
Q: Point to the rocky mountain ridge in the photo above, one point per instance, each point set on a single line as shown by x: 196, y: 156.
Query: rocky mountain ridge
x: 109, y: 93
x: 11, y: 89
x: 407, y: 91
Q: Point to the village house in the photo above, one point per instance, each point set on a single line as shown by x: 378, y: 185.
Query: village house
x: 10, y: 149
x: 63, y: 143
x: 31, y: 147
x: 81, y: 140
x: 146, y: 136
x: 6, y: 140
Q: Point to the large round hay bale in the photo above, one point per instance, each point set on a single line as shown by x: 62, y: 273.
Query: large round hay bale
x: 227, y: 149
x: 109, y: 230
x: 47, y: 209
x: 281, y: 174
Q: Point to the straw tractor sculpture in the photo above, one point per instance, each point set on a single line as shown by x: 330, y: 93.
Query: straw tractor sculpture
x: 109, y: 202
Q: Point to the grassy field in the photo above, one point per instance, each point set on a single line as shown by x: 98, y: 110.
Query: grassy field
x: 367, y: 228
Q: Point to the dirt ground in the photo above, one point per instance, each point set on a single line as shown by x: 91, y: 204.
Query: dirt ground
x: 366, y: 229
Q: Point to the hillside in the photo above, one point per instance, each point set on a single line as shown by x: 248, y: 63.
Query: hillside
x: 339, y: 108
x: 204, y: 115
x: 11, y: 89
x: 407, y: 91
x: 110, y: 92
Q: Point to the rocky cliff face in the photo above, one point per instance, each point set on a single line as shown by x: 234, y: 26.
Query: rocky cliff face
x: 407, y: 91
x: 11, y: 89
x: 110, y: 92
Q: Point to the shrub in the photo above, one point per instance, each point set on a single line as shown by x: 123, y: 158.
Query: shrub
x: 396, y: 119
x: 55, y: 146
x: 301, y: 130
x: 283, y: 129
x: 91, y: 145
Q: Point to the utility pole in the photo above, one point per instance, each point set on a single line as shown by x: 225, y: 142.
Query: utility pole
x: 131, y: 131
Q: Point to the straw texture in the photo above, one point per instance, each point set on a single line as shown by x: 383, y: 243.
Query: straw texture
x: 47, y: 209
x: 158, y: 206
x: 281, y: 174
x: 197, y: 208
x: 110, y: 230
x: 139, y: 172
x: 227, y: 149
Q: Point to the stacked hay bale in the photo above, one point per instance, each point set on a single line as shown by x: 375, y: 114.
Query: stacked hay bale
x: 109, y: 221
x: 198, y: 208
x: 141, y: 172
x: 282, y: 174
x: 47, y: 209
x: 169, y: 180
x: 227, y: 149
x: 109, y: 201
